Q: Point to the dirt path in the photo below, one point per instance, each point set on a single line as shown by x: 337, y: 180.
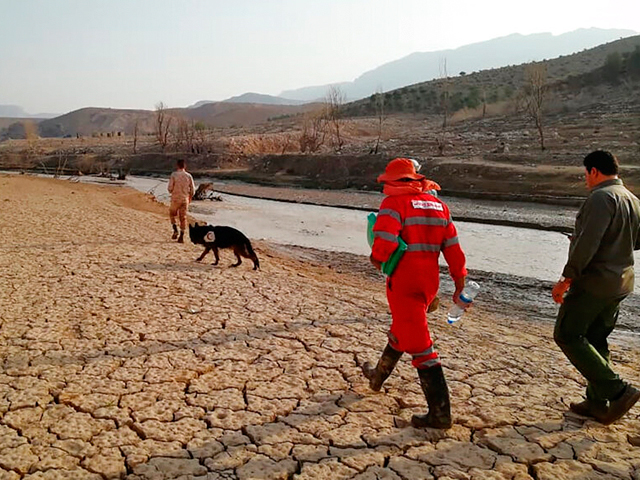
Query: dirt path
x: 122, y: 358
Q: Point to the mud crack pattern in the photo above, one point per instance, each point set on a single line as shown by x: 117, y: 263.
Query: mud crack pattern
x: 122, y: 358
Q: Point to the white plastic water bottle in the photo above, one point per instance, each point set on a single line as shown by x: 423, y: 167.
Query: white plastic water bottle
x: 470, y: 291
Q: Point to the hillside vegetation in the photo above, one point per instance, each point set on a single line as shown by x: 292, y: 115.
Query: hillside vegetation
x: 607, y: 64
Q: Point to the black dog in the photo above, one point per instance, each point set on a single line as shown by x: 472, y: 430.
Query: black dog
x: 217, y: 237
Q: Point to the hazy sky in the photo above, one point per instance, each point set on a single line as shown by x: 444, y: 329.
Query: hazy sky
x: 59, y: 55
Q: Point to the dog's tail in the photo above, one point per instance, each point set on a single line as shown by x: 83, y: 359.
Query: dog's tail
x: 252, y: 255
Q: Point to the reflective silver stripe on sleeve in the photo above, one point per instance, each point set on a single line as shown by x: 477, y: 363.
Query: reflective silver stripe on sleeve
x: 429, y: 363
x: 423, y: 247
x: 428, y: 351
x: 391, y: 213
x: 386, y: 236
x: 449, y: 242
x: 443, y: 222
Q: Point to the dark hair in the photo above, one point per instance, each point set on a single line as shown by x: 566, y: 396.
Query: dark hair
x: 180, y: 163
x: 603, y: 161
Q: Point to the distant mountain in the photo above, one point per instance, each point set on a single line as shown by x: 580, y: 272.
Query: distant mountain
x: 318, y: 92
x: 201, y: 103
x: 226, y: 114
x: 45, y: 115
x: 15, y: 111
x: 423, y: 66
x: 88, y: 121
x: 251, y: 97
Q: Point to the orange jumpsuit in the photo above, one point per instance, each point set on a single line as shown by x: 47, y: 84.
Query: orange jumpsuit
x: 424, y: 223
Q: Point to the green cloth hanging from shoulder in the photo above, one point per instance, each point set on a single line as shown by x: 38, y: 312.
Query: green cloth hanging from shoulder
x: 389, y: 266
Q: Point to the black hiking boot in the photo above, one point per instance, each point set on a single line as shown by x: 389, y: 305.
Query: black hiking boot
x: 436, y: 392
x: 181, y: 237
x: 175, y: 232
x: 383, y: 369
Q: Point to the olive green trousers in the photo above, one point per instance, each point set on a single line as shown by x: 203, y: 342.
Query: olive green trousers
x: 583, y: 324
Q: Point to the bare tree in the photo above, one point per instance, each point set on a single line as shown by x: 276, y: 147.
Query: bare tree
x: 184, y: 135
x: 163, y: 125
x: 534, y: 96
x: 484, y: 101
x: 446, y: 92
x: 441, y: 139
x: 379, y: 109
x: 31, y: 135
x: 200, y: 137
x: 314, y: 131
x: 135, y: 137
x: 334, y: 102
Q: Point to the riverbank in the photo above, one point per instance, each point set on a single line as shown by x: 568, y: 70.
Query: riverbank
x: 122, y: 358
x: 539, y: 216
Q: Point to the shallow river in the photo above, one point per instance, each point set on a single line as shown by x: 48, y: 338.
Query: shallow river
x: 509, y: 250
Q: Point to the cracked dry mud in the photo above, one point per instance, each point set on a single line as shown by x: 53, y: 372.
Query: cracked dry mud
x: 122, y: 358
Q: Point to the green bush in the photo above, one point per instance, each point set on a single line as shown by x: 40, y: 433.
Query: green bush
x: 612, y: 67
x: 633, y: 62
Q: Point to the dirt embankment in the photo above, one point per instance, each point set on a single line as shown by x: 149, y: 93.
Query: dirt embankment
x: 495, y: 158
x: 490, y: 176
x: 501, y: 177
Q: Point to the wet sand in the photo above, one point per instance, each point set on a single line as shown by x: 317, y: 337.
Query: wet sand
x: 122, y: 358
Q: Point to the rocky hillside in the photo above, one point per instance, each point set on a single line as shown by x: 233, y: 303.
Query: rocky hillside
x: 610, y: 63
x: 90, y: 121
x: 420, y: 67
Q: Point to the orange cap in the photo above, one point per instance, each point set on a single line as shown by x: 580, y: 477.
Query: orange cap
x: 399, y: 168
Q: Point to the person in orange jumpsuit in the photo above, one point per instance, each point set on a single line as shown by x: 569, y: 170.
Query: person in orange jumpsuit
x: 424, y: 223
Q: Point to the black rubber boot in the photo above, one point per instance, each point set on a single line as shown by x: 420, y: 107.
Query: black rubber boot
x: 175, y: 232
x: 619, y: 406
x: 589, y: 408
x: 383, y: 369
x: 181, y: 237
x: 436, y: 392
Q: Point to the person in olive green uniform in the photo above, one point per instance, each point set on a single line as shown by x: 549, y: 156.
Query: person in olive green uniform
x: 597, y: 277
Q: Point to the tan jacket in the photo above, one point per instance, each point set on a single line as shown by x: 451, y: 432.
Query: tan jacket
x: 181, y: 186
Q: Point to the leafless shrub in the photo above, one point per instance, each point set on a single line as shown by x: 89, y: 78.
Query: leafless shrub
x: 135, y: 137
x: 380, y: 117
x: 86, y: 164
x: 446, y: 92
x: 534, y: 95
x: 262, y: 144
x: 314, y: 131
x: 61, y: 165
x: 334, y: 102
x: 163, y: 125
x: 200, y: 138
x: 184, y: 135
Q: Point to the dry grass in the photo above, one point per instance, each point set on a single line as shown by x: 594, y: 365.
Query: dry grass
x: 263, y: 144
